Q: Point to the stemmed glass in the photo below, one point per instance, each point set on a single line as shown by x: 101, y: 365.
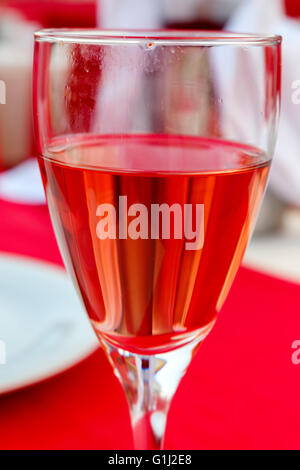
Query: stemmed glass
x: 155, y: 149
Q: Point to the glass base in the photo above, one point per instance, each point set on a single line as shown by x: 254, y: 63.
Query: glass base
x: 149, y: 383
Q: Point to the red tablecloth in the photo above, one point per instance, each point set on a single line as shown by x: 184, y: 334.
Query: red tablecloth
x: 59, y: 13
x: 241, y: 392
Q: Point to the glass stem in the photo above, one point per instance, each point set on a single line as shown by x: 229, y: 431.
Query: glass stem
x: 149, y: 383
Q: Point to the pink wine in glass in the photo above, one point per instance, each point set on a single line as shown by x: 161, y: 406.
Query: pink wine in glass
x: 151, y: 289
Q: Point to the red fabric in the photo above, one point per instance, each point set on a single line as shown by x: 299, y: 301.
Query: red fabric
x: 58, y: 13
x: 292, y: 7
x: 241, y: 391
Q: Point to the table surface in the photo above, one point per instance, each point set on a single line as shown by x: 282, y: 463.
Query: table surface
x: 241, y: 391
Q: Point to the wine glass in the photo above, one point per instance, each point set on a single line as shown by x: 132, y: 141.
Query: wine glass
x: 155, y: 149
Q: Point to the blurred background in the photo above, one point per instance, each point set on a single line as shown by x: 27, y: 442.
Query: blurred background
x: 275, y: 246
x: 279, y: 219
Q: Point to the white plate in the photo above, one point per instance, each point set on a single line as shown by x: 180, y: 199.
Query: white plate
x: 43, y: 327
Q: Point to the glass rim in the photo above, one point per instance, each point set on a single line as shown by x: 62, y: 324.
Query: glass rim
x: 155, y: 37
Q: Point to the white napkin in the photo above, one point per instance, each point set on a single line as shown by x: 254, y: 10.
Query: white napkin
x: 130, y: 14
x: 258, y: 16
x: 156, y: 13
x: 216, y: 11
x: 23, y: 184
